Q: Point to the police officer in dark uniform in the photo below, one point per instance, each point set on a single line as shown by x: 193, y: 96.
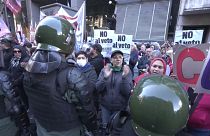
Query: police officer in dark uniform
x: 159, y: 106
x: 57, y: 92
x: 10, y: 104
x: 7, y: 43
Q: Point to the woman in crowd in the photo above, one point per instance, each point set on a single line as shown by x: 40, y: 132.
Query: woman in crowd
x: 89, y: 71
x: 16, y: 68
x: 157, y: 66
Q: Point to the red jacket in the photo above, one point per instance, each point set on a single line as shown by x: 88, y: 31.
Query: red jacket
x: 200, y: 118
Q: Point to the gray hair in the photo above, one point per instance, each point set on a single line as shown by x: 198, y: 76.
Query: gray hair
x: 155, y: 54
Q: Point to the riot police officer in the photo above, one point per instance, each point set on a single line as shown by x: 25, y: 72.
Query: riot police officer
x: 57, y: 92
x: 10, y: 104
x: 159, y: 106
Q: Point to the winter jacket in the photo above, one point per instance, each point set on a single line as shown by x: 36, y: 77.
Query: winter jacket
x: 91, y: 76
x: 115, y: 90
x: 200, y: 118
x: 98, y: 63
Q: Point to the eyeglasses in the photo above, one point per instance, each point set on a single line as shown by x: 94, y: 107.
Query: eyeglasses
x: 16, y: 51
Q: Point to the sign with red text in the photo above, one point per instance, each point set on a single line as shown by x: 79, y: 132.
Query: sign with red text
x: 188, y: 62
x: 203, y: 84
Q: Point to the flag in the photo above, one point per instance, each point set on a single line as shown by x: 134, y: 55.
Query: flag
x: 14, y: 5
x: 32, y: 31
x: 80, y: 25
x: 3, y: 28
x: 78, y: 21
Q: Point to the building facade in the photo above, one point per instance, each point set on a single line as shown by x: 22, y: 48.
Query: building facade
x: 195, y: 15
x: 146, y: 20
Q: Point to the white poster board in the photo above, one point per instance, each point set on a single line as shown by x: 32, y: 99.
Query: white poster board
x: 105, y: 39
x: 188, y: 37
x: 123, y: 43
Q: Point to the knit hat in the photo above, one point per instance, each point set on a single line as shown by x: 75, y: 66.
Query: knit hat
x: 160, y: 59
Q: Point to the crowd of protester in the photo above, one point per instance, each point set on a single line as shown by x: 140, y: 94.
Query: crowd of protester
x: 111, y: 80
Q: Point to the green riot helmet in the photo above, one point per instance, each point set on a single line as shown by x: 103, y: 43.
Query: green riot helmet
x: 159, y: 106
x: 55, y: 34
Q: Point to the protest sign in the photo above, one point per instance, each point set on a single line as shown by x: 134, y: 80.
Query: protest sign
x: 203, y: 84
x: 123, y: 43
x: 105, y: 39
x: 188, y: 37
x: 188, y: 62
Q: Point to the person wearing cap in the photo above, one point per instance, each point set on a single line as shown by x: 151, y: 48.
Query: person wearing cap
x: 114, y: 84
x: 96, y: 58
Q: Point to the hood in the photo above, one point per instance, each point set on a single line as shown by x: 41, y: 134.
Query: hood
x: 160, y: 59
x: 23, y: 51
x: 44, y: 62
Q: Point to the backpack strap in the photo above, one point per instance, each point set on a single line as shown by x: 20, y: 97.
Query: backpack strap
x: 196, y: 102
x: 117, y: 121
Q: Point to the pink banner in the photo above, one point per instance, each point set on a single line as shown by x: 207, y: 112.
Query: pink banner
x: 3, y: 28
x: 13, y: 5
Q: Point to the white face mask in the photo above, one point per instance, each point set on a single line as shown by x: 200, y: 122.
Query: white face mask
x: 81, y: 62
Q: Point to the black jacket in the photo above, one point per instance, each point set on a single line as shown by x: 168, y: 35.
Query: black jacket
x: 120, y: 125
x: 91, y: 76
x: 58, y: 93
x: 98, y: 63
x: 115, y: 90
x: 143, y: 62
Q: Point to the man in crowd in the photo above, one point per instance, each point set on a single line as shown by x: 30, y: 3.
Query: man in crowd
x: 144, y: 61
x: 96, y: 58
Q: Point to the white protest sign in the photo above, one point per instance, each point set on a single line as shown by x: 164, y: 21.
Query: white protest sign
x: 188, y: 37
x: 104, y: 38
x: 123, y: 43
